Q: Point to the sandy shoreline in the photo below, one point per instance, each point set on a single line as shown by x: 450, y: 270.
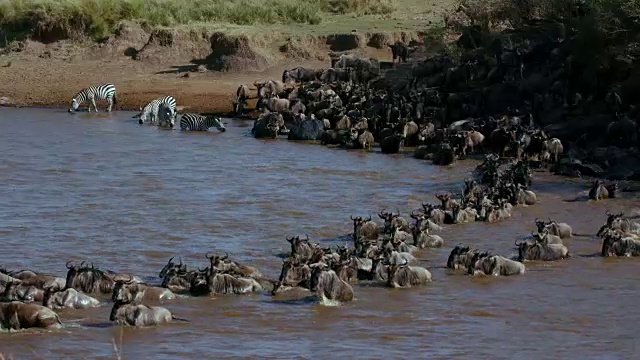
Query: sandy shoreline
x: 34, y: 82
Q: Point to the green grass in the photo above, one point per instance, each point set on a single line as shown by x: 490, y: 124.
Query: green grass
x: 61, y: 19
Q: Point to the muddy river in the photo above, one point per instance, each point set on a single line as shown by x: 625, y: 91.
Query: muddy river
x: 127, y: 197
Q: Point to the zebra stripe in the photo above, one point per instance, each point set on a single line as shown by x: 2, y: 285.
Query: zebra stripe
x: 150, y: 111
x: 195, y: 122
x: 93, y: 93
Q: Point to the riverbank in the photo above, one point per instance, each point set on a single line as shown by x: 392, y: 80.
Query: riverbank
x: 201, y: 64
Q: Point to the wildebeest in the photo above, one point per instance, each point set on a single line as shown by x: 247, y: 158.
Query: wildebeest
x: 525, y: 196
x: 130, y: 292
x: 400, y: 51
x: 275, y: 104
x: 18, y: 291
x: 599, y: 191
x: 211, y: 281
x: 327, y: 285
x: 460, y: 257
x: 68, y: 299
x: 17, y: 315
x: 170, y: 264
x: 178, y: 279
x: 403, y: 276
x: 496, y: 265
x: 166, y: 116
x: 222, y: 264
x: 307, y: 129
x: 393, y: 221
x: 537, y: 251
x: 293, y: 273
x: 240, y: 100
x: 563, y: 230
x: 90, y: 280
x: 300, y: 74
x: 392, y: 144
x: 339, y: 137
x: 472, y: 139
x: 616, y: 245
x: 268, y: 89
x: 365, y: 228
x: 365, y: 140
x: 619, y: 222
x: 301, y: 247
x: 421, y: 236
x: 139, y: 315
x: 39, y: 280
x: 554, y: 148
x: 268, y: 125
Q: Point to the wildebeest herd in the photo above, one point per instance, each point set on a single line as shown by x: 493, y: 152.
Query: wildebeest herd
x: 381, y: 252
x: 449, y: 110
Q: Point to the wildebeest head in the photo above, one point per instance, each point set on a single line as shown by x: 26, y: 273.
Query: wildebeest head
x: 476, y: 262
x: 170, y: 265
x: 200, y: 281
x: 300, y: 247
x: 455, y: 254
x: 178, y: 276
x: 216, y: 260
x: 524, y: 247
x: 87, y: 279
x: 608, y: 248
x: 73, y: 272
x: 540, y: 225
x: 393, y: 268
x: 358, y: 221
x: 316, y: 271
x: 121, y: 291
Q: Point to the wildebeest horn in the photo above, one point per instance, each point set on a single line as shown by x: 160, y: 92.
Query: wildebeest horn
x: 82, y: 264
x: 170, y: 260
x: 130, y: 280
x: 351, y: 217
x: 226, y: 255
x: 307, y: 235
x: 180, y: 261
x: 518, y: 243
x: 536, y: 220
x: 67, y: 264
x: 209, y: 257
x: 369, y: 218
x: 607, y: 213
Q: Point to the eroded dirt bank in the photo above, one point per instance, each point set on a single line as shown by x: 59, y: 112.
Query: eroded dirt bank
x: 201, y: 69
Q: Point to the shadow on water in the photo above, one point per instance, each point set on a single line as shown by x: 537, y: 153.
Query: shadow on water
x: 126, y: 197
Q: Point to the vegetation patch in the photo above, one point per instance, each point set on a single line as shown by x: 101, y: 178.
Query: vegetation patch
x: 52, y: 20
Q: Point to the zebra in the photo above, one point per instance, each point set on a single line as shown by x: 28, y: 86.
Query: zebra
x: 93, y: 93
x: 195, y: 122
x: 150, y: 111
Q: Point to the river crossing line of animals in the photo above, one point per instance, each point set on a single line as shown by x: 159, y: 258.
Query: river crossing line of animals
x: 339, y: 110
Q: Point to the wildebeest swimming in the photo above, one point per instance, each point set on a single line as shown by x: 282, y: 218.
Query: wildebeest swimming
x: 451, y: 109
x: 17, y: 315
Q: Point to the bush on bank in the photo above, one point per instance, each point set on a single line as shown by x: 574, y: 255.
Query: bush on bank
x: 51, y: 20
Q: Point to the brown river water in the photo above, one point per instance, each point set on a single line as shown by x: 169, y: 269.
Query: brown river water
x: 127, y: 197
